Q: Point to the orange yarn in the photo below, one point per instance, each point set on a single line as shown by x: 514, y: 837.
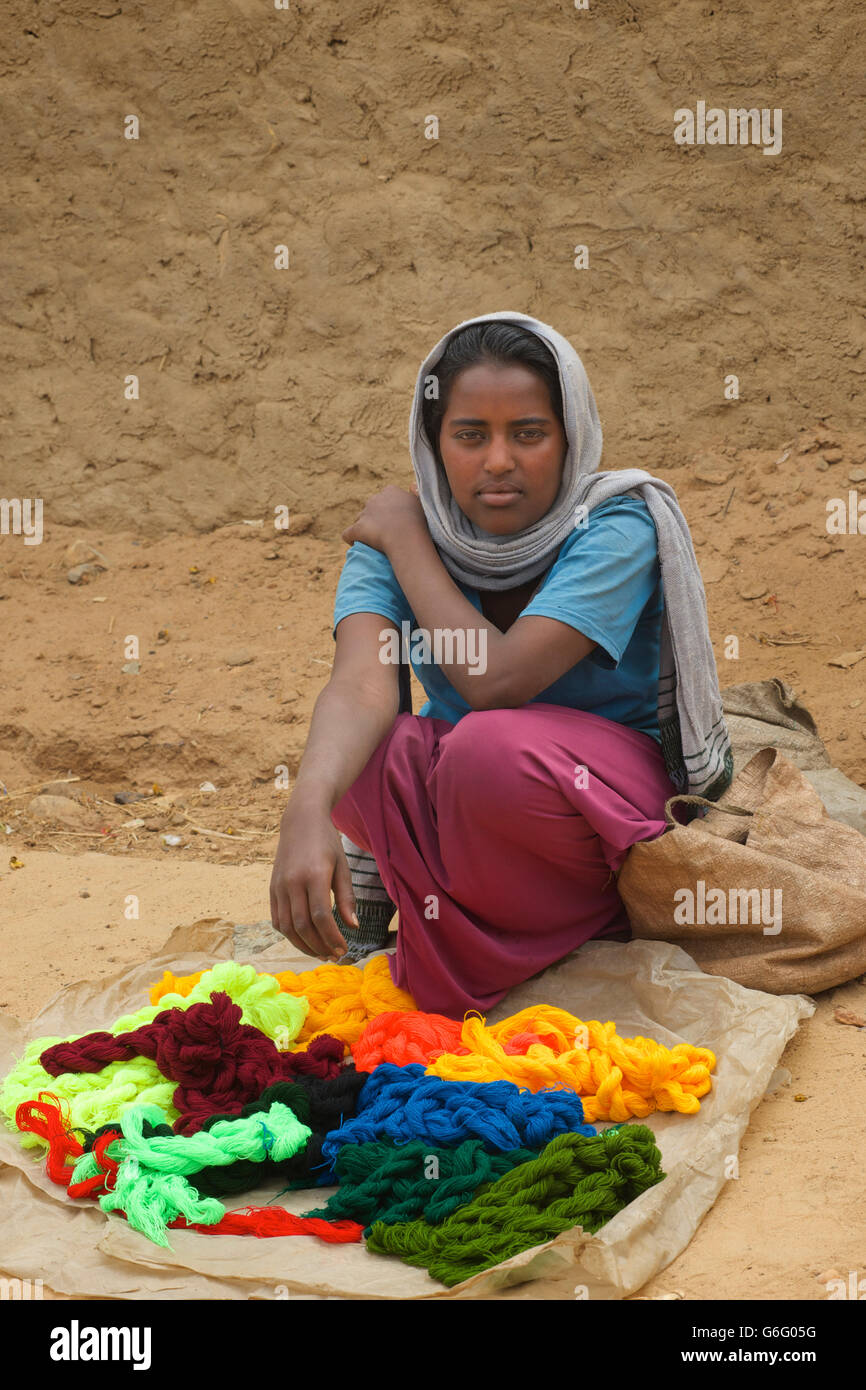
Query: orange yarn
x: 403, y: 1038
x: 616, y: 1078
x: 174, y: 984
x: 342, y: 998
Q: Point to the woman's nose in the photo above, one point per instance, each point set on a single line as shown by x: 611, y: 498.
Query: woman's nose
x: 498, y: 459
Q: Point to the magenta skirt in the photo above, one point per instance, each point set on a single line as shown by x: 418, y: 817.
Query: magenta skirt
x: 497, y: 839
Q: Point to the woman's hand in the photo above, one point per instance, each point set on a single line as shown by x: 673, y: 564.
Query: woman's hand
x: 308, y: 863
x: 388, y: 515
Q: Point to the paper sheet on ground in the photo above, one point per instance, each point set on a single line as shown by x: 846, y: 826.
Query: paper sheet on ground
x: 646, y: 987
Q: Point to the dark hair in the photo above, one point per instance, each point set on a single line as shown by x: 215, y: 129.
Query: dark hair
x: 499, y: 341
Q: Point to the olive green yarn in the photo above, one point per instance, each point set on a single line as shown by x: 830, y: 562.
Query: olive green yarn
x: 576, y: 1181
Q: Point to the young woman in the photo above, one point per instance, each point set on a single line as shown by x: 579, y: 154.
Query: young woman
x: 556, y: 619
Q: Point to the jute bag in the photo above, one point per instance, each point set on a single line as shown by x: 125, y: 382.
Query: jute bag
x: 765, y: 889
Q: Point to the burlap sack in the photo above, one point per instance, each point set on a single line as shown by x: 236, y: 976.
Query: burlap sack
x: 769, y: 892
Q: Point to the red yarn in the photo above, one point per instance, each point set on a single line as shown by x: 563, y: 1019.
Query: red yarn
x: 45, y: 1117
x: 104, y: 1180
x: 406, y: 1037
x: 403, y: 1038
x: 276, y: 1221
x: 218, y: 1062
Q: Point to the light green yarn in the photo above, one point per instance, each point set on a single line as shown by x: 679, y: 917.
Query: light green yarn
x: 94, y: 1098
x: 100, y: 1098
x: 152, y: 1200
x: 275, y: 1133
x: 263, y: 1004
x: 151, y: 1185
x: 84, y: 1167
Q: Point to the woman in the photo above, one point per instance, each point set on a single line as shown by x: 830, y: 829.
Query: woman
x: 556, y: 619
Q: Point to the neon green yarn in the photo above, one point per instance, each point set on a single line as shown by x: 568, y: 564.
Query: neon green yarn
x: 152, y: 1200
x: 85, y: 1167
x: 99, y: 1098
x: 275, y: 1133
x: 93, y: 1098
x: 151, y: 1185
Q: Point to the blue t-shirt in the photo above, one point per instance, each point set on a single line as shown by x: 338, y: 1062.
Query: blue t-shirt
x: 605, y: 582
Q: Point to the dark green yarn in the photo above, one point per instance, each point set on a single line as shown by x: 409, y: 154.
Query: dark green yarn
x: 388, y: 1182
x: 576, y: 1181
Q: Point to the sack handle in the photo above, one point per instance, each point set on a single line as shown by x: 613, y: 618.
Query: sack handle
x: 690, y: 800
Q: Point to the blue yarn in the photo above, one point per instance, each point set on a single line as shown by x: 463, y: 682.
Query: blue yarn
x: 402, y: 1104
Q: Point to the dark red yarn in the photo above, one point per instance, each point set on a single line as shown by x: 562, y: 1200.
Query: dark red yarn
x: 218, y: 1061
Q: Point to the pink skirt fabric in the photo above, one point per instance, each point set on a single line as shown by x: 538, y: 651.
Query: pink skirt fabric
x: 496, y: 838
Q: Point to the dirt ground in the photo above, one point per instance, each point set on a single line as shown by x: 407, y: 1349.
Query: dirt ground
x: 261, y: 388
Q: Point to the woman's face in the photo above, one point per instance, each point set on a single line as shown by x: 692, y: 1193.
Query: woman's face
x: 502, y: 446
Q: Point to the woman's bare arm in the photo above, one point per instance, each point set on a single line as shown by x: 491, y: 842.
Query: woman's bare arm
x: 351, y: 717
x: 509, y: 668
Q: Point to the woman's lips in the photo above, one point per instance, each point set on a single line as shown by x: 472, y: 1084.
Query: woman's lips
x: 500, y: 499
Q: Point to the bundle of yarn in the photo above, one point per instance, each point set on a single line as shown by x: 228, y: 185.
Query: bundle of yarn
x: 543, y: 1046
x: 447, y: 1143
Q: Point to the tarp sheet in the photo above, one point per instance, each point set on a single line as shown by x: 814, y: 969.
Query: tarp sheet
x: 645, y: 987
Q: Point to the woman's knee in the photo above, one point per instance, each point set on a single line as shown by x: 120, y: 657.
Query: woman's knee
x: 487, y: 752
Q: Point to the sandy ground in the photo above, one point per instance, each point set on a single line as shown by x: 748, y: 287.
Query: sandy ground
x: 260, y: 388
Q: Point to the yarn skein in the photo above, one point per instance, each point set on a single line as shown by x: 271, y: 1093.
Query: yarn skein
x: 92, y: 1100
x: 404, y: 1038
x: 276, y: 1221
x: 321, y: 1105
x: 46, y: 1118
x: 218, y: 1061
x: 401, y: 1103
x: 341, y: 999
x: 273, y: 1133
x: 575, y: 1181
x: 97, y: 1099
x: 97, y: 1170
x: 389, y: 1183
x: 149, y: 1176
x: 617, y: 1077
x: 263, y: 1004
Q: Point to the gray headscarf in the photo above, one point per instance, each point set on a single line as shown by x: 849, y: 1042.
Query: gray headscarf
x: 693, y: 733
x: 502, y: 562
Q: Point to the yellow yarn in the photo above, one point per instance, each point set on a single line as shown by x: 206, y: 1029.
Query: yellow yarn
x: 341, y: 998
x: 616, y: 1078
